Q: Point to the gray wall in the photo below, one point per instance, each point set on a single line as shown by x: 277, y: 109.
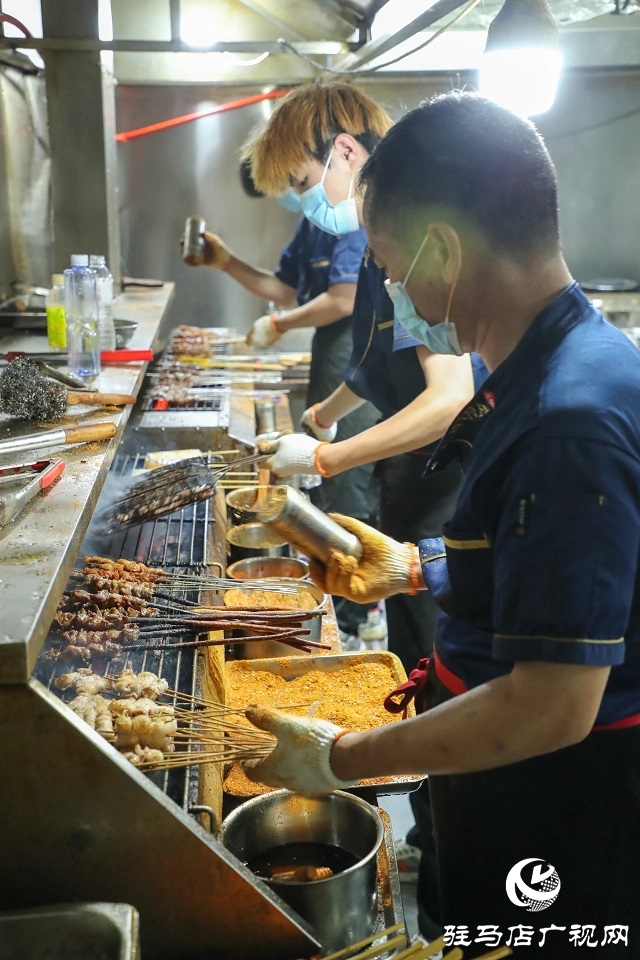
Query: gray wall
x: 593, y: 133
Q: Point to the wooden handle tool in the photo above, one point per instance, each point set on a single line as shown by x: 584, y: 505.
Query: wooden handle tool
x: 84, y: 433
x: 99, y: 399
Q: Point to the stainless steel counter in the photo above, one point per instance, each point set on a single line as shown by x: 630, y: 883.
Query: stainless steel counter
x: 38, y: 550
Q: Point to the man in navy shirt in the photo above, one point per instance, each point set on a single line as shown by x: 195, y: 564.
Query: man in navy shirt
x: 531, y: 729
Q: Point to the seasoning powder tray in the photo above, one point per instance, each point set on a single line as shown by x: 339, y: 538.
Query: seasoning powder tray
x: 292, y: 667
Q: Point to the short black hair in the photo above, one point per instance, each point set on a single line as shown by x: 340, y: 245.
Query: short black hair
x: 461, y: 155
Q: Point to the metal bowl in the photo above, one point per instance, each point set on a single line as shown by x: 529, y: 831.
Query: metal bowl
x: 240, y: 504
x: 125, y: 329
x: 271, y: 648
x: 262, y: 568
x: 254, y: 540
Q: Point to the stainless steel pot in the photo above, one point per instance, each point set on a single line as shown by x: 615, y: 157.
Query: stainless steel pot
x: 263, y: 568
x: 271, y: 648
x: 254, y: 540
x: 341, y: 908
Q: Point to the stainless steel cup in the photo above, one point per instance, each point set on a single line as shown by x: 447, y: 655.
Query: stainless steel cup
x: 342, y: 908
x: 307, y: 528
x: 265, y: 416
x: 193, y: 241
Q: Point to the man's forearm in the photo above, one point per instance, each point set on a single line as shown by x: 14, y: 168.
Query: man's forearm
x: 538, y: 708
x: 337, y: 405
x: 263, y: 283
x: 422, y: 422
x: 323, y: 310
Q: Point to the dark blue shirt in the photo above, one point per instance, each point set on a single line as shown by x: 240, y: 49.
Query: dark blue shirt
x: 540, y: 561
x: 384, y: 367
x: 313, y: 260
x: 389, y: 378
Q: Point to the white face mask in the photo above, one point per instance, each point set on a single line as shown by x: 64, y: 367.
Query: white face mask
x: 336, y: 219
x: 439, y: 337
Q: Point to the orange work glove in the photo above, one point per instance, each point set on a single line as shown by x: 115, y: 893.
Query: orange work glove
x: 386, y: 567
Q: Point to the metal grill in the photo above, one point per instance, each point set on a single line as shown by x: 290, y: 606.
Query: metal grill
x: 179, y: 543
x: 205, y: 401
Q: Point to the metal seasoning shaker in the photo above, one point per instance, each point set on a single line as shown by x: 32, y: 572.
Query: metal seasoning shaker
x: 304, y: 526
x: 265, y: 416
x: 193, y: 241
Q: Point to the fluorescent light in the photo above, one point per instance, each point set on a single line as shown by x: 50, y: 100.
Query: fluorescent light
x: 198, y: 26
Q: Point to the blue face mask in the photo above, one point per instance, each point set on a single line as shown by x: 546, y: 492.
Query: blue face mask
x: 335, y: 219
x: 290, y: 201
x: 439, y: 338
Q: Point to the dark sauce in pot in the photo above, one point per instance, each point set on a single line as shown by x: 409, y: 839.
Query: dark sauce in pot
x: 270, y: 865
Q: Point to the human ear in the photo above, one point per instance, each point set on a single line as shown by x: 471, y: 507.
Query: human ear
x: 447, y: 248
x: 349, y: 148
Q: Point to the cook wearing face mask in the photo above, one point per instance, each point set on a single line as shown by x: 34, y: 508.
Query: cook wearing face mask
x: 315, y: 283
x: 336, y: 218
x: 316, y: 142
x: 438, y: 337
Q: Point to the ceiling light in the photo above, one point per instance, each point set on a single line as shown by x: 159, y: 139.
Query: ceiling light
x: 521, y: 63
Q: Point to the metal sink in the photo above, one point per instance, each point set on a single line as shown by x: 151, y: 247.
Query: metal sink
x: 18, y: 314
x: 71, y: 931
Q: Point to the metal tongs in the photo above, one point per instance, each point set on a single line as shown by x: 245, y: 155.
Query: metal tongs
x: 39, y: 476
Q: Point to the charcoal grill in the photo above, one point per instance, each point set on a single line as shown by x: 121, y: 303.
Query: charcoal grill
x: 82, y: 823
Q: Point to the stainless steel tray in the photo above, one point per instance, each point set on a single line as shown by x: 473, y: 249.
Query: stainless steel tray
x: 291, y: 667
x: 71, y: 931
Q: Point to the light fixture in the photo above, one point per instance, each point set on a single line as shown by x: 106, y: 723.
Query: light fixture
x: 521, y: 63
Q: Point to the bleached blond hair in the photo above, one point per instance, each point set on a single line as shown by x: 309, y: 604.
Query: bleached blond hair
x: 304, y: 124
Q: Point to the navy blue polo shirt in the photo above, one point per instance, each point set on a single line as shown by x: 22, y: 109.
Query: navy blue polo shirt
x: 540, y: 561
x: 313, y: 260
x: 390, y: 378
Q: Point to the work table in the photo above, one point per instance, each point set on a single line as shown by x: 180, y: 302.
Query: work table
x: 38, y: 549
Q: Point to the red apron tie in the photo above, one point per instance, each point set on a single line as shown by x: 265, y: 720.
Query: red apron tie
x: 399, y: 699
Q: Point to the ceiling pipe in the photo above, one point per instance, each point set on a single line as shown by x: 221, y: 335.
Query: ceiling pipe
x: 376, y: 48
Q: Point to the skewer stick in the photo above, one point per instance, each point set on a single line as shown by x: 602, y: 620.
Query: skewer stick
x: 495, y: 954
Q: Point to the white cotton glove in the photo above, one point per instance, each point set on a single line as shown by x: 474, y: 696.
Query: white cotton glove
x: 311, y: 426
x: 294, y: 454
x: 300, y: 761
x: 263, y: 333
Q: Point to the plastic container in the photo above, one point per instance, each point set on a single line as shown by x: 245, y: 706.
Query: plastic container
x: 56, y: 319
x: 81, y: 309
x: 372, y: 634
x: 104, y: 281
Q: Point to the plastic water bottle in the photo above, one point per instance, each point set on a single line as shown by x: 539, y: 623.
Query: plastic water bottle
x: 81, y: 309
x: 373, y: 633
x: 56, y: 319
x: 106, y: 328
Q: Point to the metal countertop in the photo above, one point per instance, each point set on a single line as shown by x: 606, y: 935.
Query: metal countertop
x: 38, y: 550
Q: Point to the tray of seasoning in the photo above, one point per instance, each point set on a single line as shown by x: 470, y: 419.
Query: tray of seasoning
x: 348, y: 689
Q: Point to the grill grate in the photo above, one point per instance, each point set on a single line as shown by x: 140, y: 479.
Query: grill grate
x: 179, y: 543
x: 213, y: 403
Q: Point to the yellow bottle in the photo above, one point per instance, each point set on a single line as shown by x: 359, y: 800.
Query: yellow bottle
x: 56, y: 319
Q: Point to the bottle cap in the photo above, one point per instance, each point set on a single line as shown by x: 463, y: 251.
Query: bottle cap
x: 97, y: 260
x: 79, y: 260
x: 57, y: 279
